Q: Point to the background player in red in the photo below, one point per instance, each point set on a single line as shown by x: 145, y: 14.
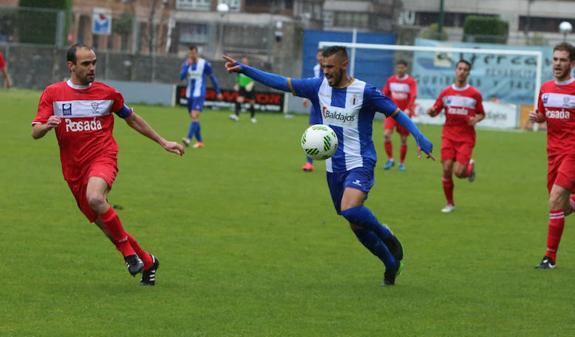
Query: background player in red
x: 556, y: 106
x: 402, y: 89
x: 80, y: 112
x: 463, y: 106
x: 4, y: 70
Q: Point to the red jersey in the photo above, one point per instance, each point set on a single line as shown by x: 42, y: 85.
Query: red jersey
x: 460, y: 104
x: 557, y: 103
x: 402, y: 91
x: 85, y: 132
x: 2, y: 62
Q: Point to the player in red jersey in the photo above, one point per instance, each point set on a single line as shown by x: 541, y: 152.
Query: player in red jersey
x: 463, y: 106
x: 556, y: 106
x: 402, y: 89
x: 80, y: 112
x: 4, y: 70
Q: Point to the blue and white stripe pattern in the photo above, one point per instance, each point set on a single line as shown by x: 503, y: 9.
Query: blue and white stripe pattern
x: 196, y: 77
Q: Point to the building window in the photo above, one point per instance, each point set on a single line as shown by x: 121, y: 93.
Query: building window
x: 198, y: 5
x: 355, y: 20
x: 541, y: 24
x: 193, y: 33
x: 235, y: 5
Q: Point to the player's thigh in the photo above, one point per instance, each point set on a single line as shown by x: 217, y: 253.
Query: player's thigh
x: 335, y: 183
x: 566, y: 173
x: 195, y: 106
x: 389, y: 124
x: 448, y: 150
x: 358, y: 183
x: 403, y: 132
x: 464, y: 152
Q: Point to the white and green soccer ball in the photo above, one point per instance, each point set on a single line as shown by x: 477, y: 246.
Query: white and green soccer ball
x: 319, y: 142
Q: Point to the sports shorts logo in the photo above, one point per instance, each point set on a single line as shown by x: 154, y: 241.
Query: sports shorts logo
x: 356, y: 182
x: 67, y: 109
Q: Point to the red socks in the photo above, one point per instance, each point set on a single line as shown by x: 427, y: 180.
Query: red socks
x: 556, y: 224
x: 388, y: 149
x: 402, y: 152
x: 113, y: 227
x: 448, y: 189
x: 145, y: 256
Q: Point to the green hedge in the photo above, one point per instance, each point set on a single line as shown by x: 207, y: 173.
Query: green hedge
x: 486, y: 29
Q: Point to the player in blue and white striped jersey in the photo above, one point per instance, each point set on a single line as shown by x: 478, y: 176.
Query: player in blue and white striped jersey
x: 194, y: 71
x: 348, y: 106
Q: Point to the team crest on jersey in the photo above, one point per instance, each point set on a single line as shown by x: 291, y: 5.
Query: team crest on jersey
x: 448, y: 101
x: 67, y: 109
x: 545, y: 98
x: 95, y: 106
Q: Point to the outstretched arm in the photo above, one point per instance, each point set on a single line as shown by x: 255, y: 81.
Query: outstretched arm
x: 39, y: 130
x: 139, y: 124
x: 424, y: 144
x: 271, y: 80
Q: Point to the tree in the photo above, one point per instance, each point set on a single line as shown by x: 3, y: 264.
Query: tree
x: 432, y: 33
x: 38, y: 20
x: 488, y: 29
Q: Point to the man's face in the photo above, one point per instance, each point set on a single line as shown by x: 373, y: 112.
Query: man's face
x: 462, y: 72
x: 84, y: 70
x: 561, y: 65
x: 245, y: 61
x: 334, y: 69
x: 193, y: 54
x: 318, y: 57
x: 400, y: 69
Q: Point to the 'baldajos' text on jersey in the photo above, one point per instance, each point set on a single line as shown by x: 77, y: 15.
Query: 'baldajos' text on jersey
x: 349, y: 112
x: 460, y: 104
x: 85, y: 131
x: 557, y: 104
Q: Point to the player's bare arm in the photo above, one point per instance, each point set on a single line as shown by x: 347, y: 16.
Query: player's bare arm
x: 40, y: 130
x: 231, y: 65
x: 139, y: 124
x: 476, y: 119
x: 432, y: 112
x: 536, y: 117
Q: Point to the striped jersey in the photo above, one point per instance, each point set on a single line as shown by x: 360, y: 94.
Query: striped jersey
x: 460, y: 105
x: 349, y: 112
x: 557, y: 103
x: 85, y: 132
x: 195, y: 75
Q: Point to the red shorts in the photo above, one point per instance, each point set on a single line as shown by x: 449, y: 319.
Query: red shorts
x: 460, y: 151
x: 105, y: 168
x: 390, y: 123
x: 561, y: 171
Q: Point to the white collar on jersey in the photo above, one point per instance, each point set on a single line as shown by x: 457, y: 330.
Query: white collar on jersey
x: 460, y: 88
x: 569, y: 81
x: 77, y: 86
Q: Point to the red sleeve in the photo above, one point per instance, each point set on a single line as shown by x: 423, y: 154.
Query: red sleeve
x: 2, y: 62
x: 479, y: 108
x: 45, y: 108
x: 412, y: 94
x: 118, y: 101
x: 386, y: 90
x: 438, y: 105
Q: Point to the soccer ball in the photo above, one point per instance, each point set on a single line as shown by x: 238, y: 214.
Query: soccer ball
x: 319, y: 142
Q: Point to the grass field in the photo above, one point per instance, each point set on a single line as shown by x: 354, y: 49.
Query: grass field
x: 250, y: 246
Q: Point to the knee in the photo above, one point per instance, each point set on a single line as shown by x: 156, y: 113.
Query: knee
x: 387, y: 136
x: 355, y: 227
x: 97, y: 201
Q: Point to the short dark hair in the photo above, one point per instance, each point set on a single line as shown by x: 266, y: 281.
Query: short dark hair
x: 463, y: 61
x: 332, y: 50
x: 401, y: 61
x: 71, y: 52
x: 568, y: 47
x: 193, y: 47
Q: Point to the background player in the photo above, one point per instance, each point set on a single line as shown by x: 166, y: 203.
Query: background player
x: 463, y: 106
x: 556, y: 106
x: 317, y: 73
x: 80, y: 111
x: 348, y: 106
x: 402, y: 89
x: 5, y: 74
x: 194, y: 70
x: 246, y: 93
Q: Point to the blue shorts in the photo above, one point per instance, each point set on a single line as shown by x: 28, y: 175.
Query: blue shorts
x: 360, y: 178
x: 195, y: 103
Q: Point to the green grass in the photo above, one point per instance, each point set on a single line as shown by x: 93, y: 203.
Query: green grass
x: 250, y: 246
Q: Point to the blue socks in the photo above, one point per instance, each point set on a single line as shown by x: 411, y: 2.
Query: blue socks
x: 372, y: 234
x: 194, y: 130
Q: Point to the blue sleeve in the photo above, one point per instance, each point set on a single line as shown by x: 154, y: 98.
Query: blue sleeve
x: 184, y: 70
x: 271, y: 80
x: 208, y: 71
x: 379, y: 102
x: 306, y: 87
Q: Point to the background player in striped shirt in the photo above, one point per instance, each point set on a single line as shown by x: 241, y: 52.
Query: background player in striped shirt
x: 194, y: 71
x: 348, y: 106
x: 80, y: 111
x: 402, y: 89
x: 556, y: 106
x: 246, y: 93
x: 463, y: 107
